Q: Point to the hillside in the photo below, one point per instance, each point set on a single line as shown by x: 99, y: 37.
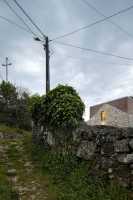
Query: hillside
x: 19, y: 178
x: 28, y: 172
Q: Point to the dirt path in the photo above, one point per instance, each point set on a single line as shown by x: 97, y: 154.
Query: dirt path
x: 21, y: 173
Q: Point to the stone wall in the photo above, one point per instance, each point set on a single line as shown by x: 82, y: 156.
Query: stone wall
x: 110, y: 150
x: 115, y: 117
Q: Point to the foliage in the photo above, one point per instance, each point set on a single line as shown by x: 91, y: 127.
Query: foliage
x: 6, y: 192
x: 70, y: 176
x: 14, y: 106
x: 8, y: 93
x: 35, y: 107
x: 11, y: 130
x: 62, y: 108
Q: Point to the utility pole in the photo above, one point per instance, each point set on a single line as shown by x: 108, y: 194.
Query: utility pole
x: 6, y: 66
x: 46, y: 49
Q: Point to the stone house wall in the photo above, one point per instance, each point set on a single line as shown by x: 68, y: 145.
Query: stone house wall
x: 115, y: 117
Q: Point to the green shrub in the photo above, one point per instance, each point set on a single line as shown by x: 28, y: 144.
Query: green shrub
x: 62, y: 108
x: 6, y: 192
x: 35, y: 107
x: 72, y: 180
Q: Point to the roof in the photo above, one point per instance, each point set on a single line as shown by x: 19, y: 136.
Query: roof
x: 121, y: 104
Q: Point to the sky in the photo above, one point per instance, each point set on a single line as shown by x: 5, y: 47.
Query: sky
x: 97, y: 78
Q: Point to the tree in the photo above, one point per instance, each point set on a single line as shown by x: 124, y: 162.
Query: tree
x: 8, y: 93
x: 23, y: 115
x: 14, y: 106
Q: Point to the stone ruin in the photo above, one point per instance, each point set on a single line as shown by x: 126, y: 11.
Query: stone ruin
x: 110, y: 149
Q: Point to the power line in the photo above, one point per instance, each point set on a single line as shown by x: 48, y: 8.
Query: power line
x: 110, y: 21
x: 45, y: 45
x: 14, y: 23
x: 30, y: 19
x: 95, y: 51
x: 97, y: 62
x: 92, y: 24
x: 20, y: 18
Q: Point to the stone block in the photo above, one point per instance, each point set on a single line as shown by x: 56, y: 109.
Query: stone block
x: 121, y: 146
x: 125, y: 159
x: 131, y: 144
x: 86, y: 150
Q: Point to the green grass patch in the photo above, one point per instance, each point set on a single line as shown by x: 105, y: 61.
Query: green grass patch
x: 6, y: 192
x: 11, y: 130
x: 70, y: 178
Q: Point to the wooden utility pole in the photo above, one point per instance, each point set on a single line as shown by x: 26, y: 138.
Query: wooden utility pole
x: 46, y: 48
x: 6, y: 66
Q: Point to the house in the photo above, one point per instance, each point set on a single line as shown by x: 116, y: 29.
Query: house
x: 118, y: 113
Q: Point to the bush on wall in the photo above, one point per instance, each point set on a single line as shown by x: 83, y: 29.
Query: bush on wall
x: 61, y: 108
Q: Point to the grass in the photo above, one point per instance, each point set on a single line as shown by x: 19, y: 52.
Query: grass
x: 66, y: 177
x: 11, y: 130
x: 17, y: 158
x: 6, y: 191
x: 70, y: 177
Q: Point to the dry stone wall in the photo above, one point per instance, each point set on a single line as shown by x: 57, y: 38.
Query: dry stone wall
x: 110, y: 148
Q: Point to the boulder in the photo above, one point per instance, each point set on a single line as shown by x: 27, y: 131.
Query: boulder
x: 125, y: 159
x: 11, y: 172
x: 131, y: 144
x: 121, y: 146
x: 1, y: 135
x: 86, y: 150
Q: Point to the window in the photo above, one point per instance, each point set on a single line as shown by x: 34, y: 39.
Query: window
x: 103, y: 116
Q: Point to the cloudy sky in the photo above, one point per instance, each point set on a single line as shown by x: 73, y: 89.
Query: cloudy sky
x: 96, y: 77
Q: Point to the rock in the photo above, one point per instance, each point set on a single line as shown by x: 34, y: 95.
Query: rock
x: 1, y: 135
x: 129, y: 158
x: 131, y: 144
x: 111, y: 176
x: 107, y: 148
x: 105, y: 162
x: 2, y: 149
x: 110, y: 170
x: 50, y: 138
x: 130, y: 132
x: 125, y: 159
x: 13, y: 179
x: 86, y: 150
x: 121, y: 146
x: 83, y: 132
x: 11, y: 172
x: 28, y: 164
x: 131, y: 172
x: 131, y: 166
x: 121, y: 158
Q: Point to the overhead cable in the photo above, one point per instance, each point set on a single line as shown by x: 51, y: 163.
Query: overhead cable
x: 110, y: 21
x: 20, y: 18
x: 95, y: 51
x: 30, y: 19
x: 92, y: 24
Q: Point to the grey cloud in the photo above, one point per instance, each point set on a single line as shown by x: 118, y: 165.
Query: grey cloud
x: 97, y: 78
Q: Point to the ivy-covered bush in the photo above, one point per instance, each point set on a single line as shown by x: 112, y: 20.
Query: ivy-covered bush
x: 35, y: 108
x: 62, y: 108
